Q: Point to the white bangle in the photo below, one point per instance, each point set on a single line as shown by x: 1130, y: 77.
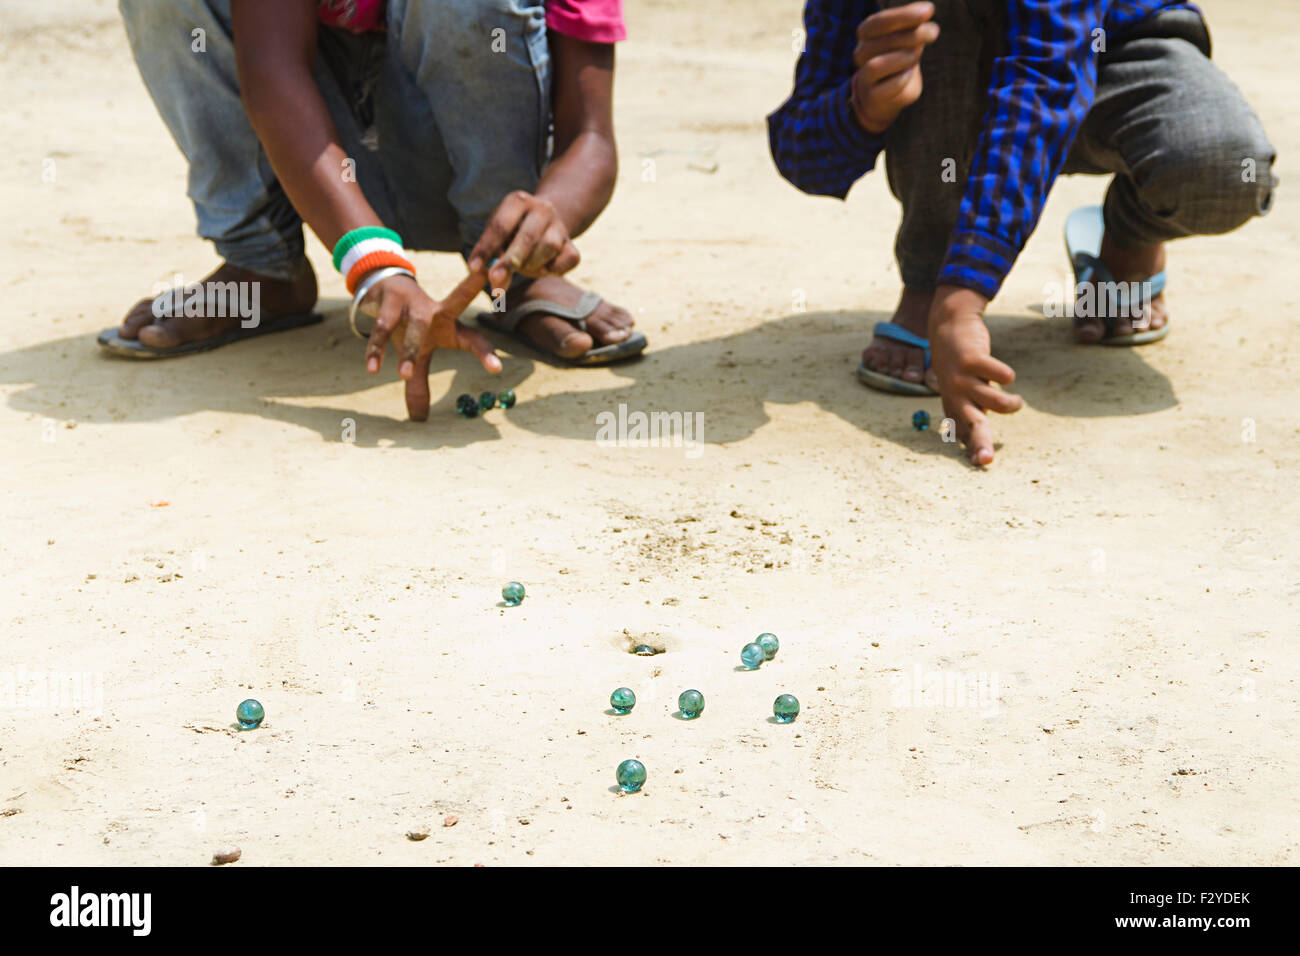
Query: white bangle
x: 369, y: 282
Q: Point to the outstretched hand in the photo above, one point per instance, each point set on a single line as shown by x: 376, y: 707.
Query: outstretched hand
x: 418, y: 326
x: 964, y: 371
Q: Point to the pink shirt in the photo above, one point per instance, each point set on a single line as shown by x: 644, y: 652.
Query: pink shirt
x: 595, y: 21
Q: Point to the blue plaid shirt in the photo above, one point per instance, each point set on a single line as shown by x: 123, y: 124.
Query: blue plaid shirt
x: 1039, y: 94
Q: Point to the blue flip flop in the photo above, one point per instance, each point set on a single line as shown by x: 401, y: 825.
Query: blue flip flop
x: 1084, y: 229
x: 887, y: 383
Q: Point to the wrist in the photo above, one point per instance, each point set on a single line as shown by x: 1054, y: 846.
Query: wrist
x: 956, y: 301
x: 868, y: 124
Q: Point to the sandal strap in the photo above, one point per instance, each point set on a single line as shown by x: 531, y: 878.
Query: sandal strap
x: 577, y: 313
x: 889, y: 330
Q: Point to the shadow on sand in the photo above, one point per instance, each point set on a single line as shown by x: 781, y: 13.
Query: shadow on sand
x: 804, y: 357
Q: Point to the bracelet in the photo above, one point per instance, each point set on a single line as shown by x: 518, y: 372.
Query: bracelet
x: 368, y: 283
x: 363, y: 250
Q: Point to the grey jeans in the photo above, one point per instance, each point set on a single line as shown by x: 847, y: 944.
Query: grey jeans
x: 1188, y: 154
x: 444, y: 114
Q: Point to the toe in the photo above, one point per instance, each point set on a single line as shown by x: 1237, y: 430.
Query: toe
x: 1089, y: 331
x: 609, y: 324
x: 914, y: 370
x: 161, y: 334
x: 141, y: 314
x: 557, y: 336
x: 897, y: 361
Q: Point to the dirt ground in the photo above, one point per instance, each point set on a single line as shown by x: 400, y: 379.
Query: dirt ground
x: 1086, y: 654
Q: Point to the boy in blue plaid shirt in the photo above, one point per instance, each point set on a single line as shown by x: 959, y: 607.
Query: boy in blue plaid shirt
x: 978, y: 105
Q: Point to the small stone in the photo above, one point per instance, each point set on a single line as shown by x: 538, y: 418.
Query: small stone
x: 630, y: 775
x: 451, y: 820
x: 418, y: 834
x: 506, y: 399
x: 769, y: 644
x: 921, y: 420
x: 690, y: 703
x: 622, y: 700
x: 226, y: 855
x: 785, y: 708
x: 249, y: 714
x: 487, y: 400
x: 467, y: 405
x: 513, y: 593
x: 751, y: 655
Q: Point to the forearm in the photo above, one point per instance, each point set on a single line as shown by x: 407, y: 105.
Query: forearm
x: 580, y: 181
x: 580, y: 178
x: 275, y: 47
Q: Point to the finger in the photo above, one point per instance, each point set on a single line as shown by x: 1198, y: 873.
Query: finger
x: 915, y: 39
x: 887, y: 64
x: 390, y: 314
x: 980, y: 442
x: 458, y: 299
x: 895, y: 19
x: 989, y: 369
x: 996, y: 400
x: 417, y: 388
x: 526, y: 238
x: 413, y: 341
x: 892, y: 87
x: 567, y: 259
x: 475, y: 342
x: 499, y: 229
x: 547, y: 248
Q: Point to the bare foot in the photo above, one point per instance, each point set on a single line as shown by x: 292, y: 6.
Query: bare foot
x: 1126, y: 265
x: 608, y: 325
x: 894, y: 358
x: 276, y: 297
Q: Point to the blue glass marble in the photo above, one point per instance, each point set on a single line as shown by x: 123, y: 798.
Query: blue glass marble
x: 622, y: 700
x: 751, y: 655
x: 921, y: 420
x: 769, y: 644
x: 467, y: 405
x: 630, y: 775
x: 513, y: 593
x: 506, y: 399
x: 785, y: 708
x: 487, y: 400
x: 691, y: 704
x: 249, y: 714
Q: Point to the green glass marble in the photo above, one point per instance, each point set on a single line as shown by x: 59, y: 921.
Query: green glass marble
x: 467, y: 405
x: 622, y: 700
x: 487, y: 400
x: 785, y: 708
x: 921, y: 420
x: 751, y: 655
x: 691, y: 704
x: 513, y: 593
x: 769, y: 644
x: 249, y: 714
x: 630, y: 775
x: 506, y: 399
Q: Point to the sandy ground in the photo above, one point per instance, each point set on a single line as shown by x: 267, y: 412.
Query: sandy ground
x: 1085, y: 655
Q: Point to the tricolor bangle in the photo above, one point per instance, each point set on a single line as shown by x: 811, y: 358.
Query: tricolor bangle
x: 366, y: 249
x: 364, y: 287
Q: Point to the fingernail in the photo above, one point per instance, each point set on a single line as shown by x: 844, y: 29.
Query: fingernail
x: 372, y: 365
x: 407, y: 370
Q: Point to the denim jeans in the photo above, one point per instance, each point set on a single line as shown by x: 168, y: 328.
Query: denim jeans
x: 444, y: 114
